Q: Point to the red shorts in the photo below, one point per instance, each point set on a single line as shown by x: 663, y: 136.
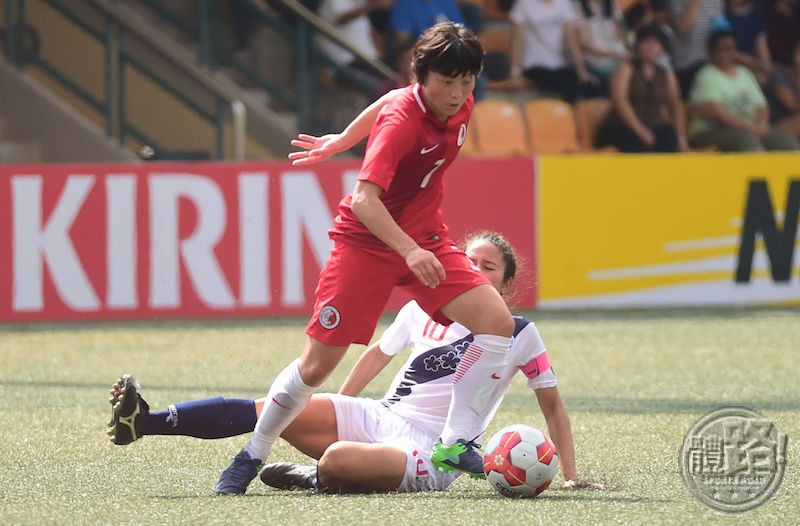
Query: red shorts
x: 356, y: 283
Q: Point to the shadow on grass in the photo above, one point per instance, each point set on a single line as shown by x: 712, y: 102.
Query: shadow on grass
x: 595, y: 496
x: 553, y: 496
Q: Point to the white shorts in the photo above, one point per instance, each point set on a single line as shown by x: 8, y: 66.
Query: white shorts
x: 369, y: 421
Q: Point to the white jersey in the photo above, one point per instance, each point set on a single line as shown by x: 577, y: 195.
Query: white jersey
x: 357, y: 31
x: 542, y: 24
x: 421, y: 390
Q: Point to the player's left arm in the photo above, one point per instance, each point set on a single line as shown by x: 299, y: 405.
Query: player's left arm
x: 558, y: 426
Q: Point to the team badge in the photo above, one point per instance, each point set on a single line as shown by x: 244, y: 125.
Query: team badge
x: 462, y: 134
x: 329, y: 317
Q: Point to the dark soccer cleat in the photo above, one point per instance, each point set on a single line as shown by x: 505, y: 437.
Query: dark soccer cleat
x: 237, y: 476
x: 460, y: 456
x: 287, y: 475
x: 129, y: 411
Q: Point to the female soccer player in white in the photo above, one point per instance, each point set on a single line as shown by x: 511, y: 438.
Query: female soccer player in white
x: 378, y: 445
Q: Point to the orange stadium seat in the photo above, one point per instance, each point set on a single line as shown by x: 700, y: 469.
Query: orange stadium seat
x: 496, y: 38
x: 496, y: 42
x: 551, y: 126
x: 499, y: 129
x: 590, y: 115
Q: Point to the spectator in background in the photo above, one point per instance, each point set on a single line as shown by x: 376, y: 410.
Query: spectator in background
x: 351, y: 20
x: 283, y: 11
x: 411, y: 18
x: 691, y: 21
x: 647, y: 113
x: 782, y: 18
x: 659, y: 7
x: 746, y: 19
x: 730, y: 108
x: 602, y: 39
x: 541, y: 33
x: 243, y: 22
x: 402, y: 65
x: 783, y: 94
x: 474, y: 14
x: 638, y: 15
x: 381, y: 21
x: 641, y: 14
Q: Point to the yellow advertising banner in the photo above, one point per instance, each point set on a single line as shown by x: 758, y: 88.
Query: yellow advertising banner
x: 645, y: 230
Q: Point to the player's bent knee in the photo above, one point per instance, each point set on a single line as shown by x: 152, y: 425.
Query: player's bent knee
x: 498, y: 325
x: 346, y: 467
x: 332, y: 467
x: 506, y: 327
x: 314, y: 375
x: 318, y: 361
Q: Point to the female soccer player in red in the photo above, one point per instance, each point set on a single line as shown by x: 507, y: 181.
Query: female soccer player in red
x: 389, y: 233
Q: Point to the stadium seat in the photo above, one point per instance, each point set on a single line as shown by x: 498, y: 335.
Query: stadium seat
x: 551, y: 126
x: 590, y: 115
x: 496, y: 42
x: 496, y: 38
x: 499, y: 129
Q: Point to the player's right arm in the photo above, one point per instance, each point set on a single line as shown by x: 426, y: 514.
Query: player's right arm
x: 369, y: 364
x: 316, y: 149
x: 394, y: 339
x: 370, y: 210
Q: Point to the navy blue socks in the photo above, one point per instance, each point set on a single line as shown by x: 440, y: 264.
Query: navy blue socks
x: 208, y: 418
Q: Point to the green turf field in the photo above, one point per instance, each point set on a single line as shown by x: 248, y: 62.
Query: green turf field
x: 634, y: 384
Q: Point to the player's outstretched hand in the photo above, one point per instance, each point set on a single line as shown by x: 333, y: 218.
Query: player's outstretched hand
x: 580, y: 484
x: 315, y: 149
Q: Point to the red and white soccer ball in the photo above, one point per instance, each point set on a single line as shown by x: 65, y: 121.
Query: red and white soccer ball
x: 520, y: 461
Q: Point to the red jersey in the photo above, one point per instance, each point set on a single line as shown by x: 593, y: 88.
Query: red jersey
x: 408, y: 150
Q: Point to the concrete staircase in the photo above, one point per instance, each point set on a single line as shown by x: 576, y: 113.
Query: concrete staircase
x: 17, y: 151
x: 38, y: 126
x: 45, y: 122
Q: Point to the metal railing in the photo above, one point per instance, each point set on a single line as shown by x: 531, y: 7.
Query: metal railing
x: 128, y: 48
x: 302, y: 98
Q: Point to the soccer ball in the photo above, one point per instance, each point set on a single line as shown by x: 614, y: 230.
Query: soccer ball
x: 520, y: 461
